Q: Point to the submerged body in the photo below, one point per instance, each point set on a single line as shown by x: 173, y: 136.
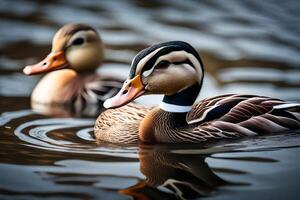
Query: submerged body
x: 175, y: 70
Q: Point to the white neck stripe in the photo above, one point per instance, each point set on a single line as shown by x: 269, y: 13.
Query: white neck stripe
x: 174, y: 108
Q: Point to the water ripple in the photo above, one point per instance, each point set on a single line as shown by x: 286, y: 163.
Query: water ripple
x: 8, y: 116
x: 51, y: 134
x: 85, y: 134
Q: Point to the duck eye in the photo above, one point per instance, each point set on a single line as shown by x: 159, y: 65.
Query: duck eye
x: 78, y: 41
x: 162, y: 64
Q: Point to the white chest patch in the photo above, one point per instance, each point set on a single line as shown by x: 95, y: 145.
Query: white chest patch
x: 174, y: 108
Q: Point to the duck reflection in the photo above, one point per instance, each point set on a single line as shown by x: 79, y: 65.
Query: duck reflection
x: 186, y: 176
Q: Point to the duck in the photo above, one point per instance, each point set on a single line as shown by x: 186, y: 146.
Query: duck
x: 77, y: 51
x: 175, y: 70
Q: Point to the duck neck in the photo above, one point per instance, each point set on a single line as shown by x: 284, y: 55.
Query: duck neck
x: 182, y: 101
x: 161, y: 122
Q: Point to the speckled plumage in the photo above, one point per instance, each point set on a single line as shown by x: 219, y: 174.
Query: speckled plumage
x: 120, y: 125
x: 176, y: 70
x: 239, y: 116
x: 246, y: 115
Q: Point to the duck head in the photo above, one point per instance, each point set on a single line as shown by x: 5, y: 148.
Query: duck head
x: 75, y: 46
x: 171, y: 68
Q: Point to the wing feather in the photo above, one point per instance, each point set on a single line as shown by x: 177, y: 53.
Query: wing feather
x: 240, y: 115
x: 93, y: 89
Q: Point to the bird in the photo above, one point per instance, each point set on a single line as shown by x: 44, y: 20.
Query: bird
x: 77, y: 51
x: 176, y: 70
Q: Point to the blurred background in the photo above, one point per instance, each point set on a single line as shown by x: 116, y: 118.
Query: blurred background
x: 247, y: 46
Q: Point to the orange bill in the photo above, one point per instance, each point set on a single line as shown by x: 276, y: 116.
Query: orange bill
x: 54, y: 61
x: 131, y: 90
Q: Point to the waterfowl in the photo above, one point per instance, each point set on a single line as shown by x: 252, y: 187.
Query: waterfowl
x: 77, y: 51
x: 175, y: 70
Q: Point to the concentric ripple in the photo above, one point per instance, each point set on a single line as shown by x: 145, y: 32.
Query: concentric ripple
x: 72, y: 135
x: 8, y: 116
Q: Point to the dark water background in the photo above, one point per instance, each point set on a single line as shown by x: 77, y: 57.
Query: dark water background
x: 247, y: 47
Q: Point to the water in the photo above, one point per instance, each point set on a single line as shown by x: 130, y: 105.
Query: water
x: 247, y: 47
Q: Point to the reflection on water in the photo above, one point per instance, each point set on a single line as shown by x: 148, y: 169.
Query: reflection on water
x: 50, y: 152
x: 61, y: 159
x: 89, y: 110
x: 187, y: 176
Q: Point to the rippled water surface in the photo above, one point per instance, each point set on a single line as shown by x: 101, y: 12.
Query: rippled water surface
x: 247, y: 47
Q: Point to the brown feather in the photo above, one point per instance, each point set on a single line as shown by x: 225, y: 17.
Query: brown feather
x: 247, y: 115
x: 120, y: 125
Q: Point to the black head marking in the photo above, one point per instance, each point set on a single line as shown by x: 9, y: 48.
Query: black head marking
x: 141, y: 55
x: 185, y: 97
x: 168, y: 47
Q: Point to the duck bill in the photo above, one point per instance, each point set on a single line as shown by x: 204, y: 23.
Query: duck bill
x: 54, y: 61
x: 131, y: 90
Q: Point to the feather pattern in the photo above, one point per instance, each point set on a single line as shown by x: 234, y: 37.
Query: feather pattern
x: 242, y: 115
x: 120, y: 125
x: 91, y: 89
x: 227, y: 116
